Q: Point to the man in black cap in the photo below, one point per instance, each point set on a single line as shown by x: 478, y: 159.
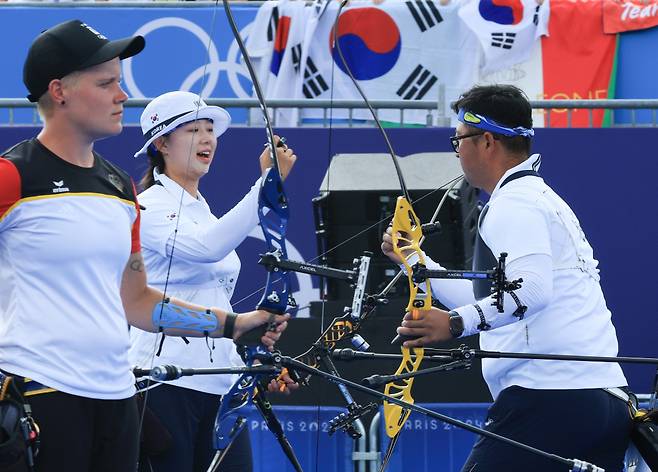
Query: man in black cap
x: 71, y: 270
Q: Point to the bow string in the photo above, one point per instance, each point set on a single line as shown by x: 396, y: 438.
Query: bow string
x: 407, y: 233
x: 156, y: 350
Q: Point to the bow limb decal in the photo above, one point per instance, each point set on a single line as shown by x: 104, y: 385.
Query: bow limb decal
x: 273, y: 213
x: 407, y: 233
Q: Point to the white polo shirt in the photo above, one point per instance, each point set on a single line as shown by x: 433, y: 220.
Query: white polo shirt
x: 567, y: 312
x: 204, y: 270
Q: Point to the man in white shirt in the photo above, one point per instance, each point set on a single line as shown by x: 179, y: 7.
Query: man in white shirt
x: 559, y: 308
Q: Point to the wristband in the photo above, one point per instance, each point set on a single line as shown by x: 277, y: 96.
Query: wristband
x: 229, y: 325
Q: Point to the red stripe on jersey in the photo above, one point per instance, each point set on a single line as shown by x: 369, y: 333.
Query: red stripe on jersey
x: 10, y: 185
x: 136, y: 244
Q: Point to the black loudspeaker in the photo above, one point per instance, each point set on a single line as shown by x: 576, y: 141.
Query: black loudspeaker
x: 356, y: 203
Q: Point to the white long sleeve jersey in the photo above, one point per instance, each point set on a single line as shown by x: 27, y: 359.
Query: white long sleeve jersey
x: 204, y: 270
x: 566, y: 310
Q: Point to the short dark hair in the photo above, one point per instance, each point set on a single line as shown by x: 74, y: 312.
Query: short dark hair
x: 505, y: 104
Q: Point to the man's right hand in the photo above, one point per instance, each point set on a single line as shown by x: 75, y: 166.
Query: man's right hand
x: 387, y: 247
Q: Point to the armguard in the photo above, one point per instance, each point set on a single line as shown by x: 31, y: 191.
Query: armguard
x: 168, y: 316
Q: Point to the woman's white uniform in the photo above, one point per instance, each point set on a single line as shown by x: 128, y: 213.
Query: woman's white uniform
x: 204, y: 270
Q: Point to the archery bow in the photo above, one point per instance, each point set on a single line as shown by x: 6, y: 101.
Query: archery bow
x: 343, y: 327
x: 348, y: 325
x: 273, y: 213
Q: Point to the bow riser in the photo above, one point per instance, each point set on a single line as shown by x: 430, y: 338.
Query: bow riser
x: 407, y: 234
x: 273, y: 214
x: 395, y: 415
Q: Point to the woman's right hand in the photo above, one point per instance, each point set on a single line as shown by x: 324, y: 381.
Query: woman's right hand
x: 285, y: 156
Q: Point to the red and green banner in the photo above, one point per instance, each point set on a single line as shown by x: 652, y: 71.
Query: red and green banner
x: 629, y: 15
x: 579, y: 60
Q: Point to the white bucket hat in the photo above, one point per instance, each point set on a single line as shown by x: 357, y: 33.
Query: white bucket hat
x: 172, y: 109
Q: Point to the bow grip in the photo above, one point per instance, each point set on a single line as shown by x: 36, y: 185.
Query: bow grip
x: 401, y: 338
x: 252, y: 337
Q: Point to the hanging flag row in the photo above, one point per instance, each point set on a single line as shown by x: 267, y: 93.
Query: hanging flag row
x: 432, y: 50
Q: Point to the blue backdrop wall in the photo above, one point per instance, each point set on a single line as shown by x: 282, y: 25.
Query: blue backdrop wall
x: 607, y: 175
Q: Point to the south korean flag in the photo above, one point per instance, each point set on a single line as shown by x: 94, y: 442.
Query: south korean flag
x: 278, y: 50
x: 506, y: 29
x: 260, y: 41
x: 413, y: 50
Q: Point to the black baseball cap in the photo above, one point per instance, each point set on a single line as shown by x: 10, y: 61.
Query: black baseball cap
x: 69, y: 47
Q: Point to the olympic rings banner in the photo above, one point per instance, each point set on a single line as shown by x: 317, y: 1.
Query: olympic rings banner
x: 184, y: 50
